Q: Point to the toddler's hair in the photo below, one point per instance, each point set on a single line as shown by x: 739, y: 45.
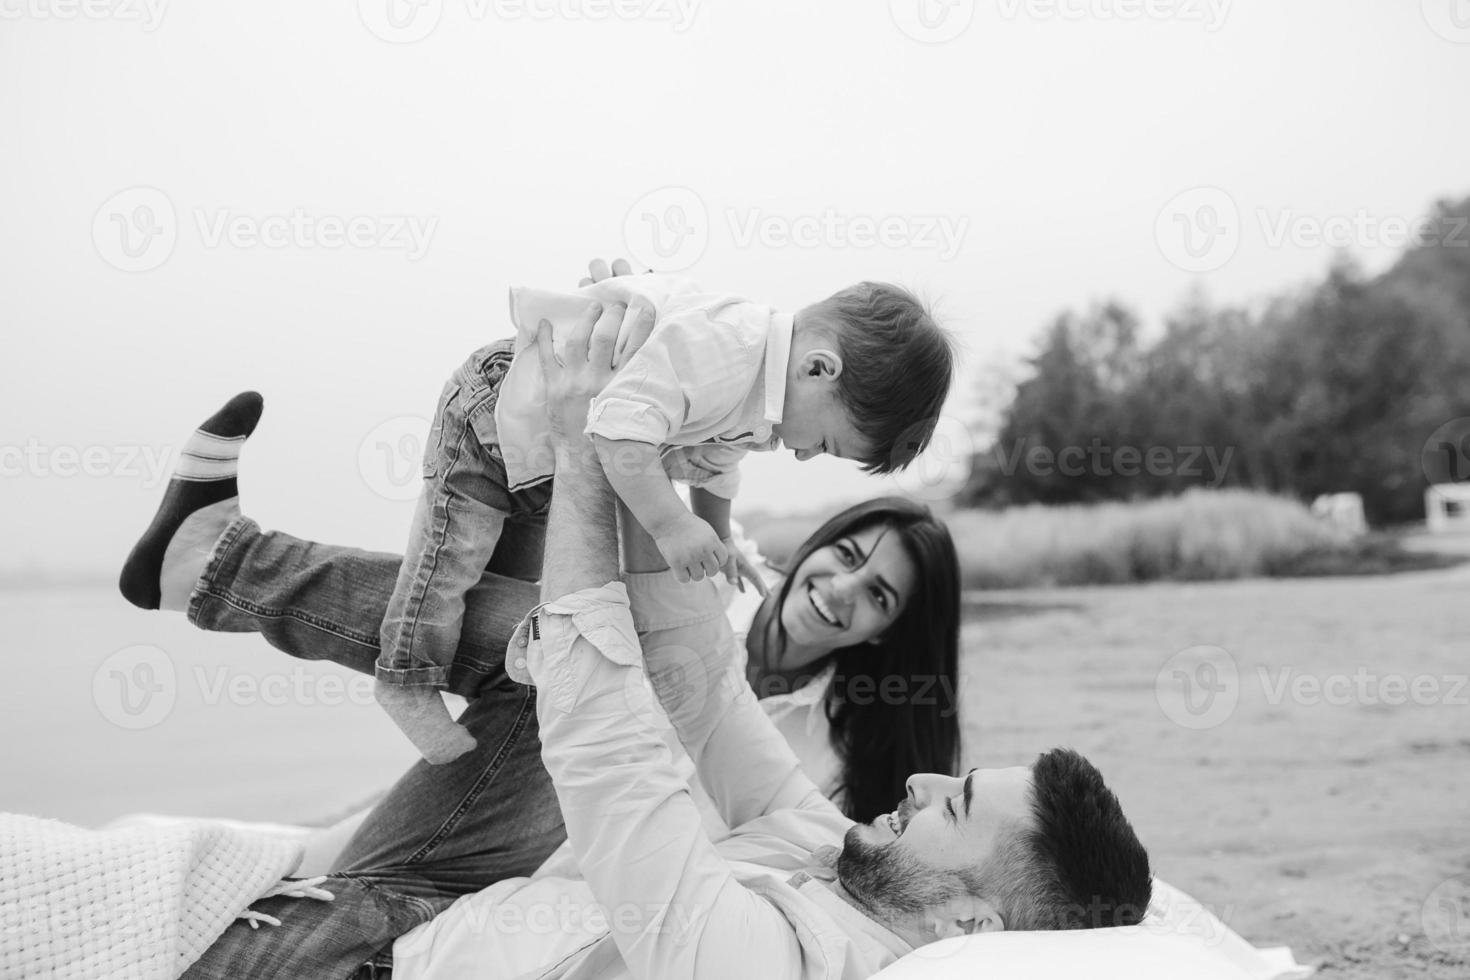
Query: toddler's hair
x: 897, y: 364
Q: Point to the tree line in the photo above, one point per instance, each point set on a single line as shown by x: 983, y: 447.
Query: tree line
x: 1337, y: 386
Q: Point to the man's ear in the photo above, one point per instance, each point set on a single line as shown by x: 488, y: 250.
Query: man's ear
x: 965, y: 915
x: 821, y: 362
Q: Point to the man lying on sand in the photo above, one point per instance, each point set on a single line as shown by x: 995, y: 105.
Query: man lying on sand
x: 797, y: 889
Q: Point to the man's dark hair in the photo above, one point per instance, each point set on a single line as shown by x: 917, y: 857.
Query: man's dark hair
x: 897, y: 364
x: 1080, y: 866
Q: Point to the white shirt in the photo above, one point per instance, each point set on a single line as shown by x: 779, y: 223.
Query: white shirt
x: 708, y: 385
x: 657, y: 897
x: 800, y: 715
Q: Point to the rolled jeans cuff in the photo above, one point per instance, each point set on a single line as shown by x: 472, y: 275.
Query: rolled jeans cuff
x: 222, y: 564
x: 431, y: 676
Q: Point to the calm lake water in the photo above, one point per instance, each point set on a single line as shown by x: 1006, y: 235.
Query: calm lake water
x: 108, y: 710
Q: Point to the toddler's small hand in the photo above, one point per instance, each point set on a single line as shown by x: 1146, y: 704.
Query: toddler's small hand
x: 693, y: 550
x: 738, y: 569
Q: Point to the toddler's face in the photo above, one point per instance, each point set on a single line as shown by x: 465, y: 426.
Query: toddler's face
x: 814, y: 422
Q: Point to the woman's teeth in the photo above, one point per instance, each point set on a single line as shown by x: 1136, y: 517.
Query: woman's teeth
x: 823, y: 610
x: 894, y: 825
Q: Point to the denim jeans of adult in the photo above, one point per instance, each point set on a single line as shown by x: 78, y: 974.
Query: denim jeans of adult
x: 442, y: 831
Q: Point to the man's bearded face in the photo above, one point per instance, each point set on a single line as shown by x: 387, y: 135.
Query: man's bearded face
x: 885, y: 877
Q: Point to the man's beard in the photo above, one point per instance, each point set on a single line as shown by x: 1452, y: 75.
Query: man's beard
x: 889, y: 883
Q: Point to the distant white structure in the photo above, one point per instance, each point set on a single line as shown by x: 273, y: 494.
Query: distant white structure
x: 1447, y: 508
x: 1344, y: 511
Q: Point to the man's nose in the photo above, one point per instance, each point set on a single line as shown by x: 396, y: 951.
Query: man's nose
x: 925, y: 786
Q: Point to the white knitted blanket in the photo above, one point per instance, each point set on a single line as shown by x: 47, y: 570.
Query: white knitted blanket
x: 136, y: 902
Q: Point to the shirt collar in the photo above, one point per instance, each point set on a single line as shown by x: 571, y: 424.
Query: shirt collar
x: 853, y: 921
x: 778, y: 356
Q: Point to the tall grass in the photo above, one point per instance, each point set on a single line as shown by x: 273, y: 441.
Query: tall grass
x: 1202, y: 534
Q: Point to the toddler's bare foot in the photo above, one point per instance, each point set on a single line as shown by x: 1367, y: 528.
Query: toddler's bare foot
x: 422, y: 715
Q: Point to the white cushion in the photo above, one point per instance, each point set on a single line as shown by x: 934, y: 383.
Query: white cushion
x: 1179, y: 938
x: 1126, y: 953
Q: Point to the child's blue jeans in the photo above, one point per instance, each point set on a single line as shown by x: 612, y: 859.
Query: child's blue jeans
x: 460, y: 527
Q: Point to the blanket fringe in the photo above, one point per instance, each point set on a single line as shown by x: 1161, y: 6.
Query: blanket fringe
x: 288, y: 888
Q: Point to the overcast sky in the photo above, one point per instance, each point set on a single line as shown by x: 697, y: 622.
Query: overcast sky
x: 328, y: 202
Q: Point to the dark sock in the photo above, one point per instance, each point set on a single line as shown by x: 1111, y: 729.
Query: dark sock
x: 204, y: 474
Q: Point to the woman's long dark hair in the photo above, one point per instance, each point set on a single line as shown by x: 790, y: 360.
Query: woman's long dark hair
x: 893, y: 704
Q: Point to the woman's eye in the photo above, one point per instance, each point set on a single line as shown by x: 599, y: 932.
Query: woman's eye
x: 881, y: 599
x: 845, y: 552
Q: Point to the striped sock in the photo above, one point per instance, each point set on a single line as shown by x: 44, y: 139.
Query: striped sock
x: 205, y: 474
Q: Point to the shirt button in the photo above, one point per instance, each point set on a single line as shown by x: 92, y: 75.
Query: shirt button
x: 520, y: 663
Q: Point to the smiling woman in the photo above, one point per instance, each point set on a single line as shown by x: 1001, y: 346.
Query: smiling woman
x: 869, y: 617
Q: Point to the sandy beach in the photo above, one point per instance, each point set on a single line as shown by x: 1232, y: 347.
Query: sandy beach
x: 1325, y: 810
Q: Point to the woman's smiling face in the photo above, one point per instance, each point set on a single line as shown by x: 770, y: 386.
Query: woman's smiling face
x: 849, y: 591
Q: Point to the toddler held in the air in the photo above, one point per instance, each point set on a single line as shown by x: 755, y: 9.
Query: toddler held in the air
x: 862, y: 374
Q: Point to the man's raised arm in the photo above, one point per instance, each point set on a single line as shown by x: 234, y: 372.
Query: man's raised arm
x: 743, y: 761
x: 674, y: 907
